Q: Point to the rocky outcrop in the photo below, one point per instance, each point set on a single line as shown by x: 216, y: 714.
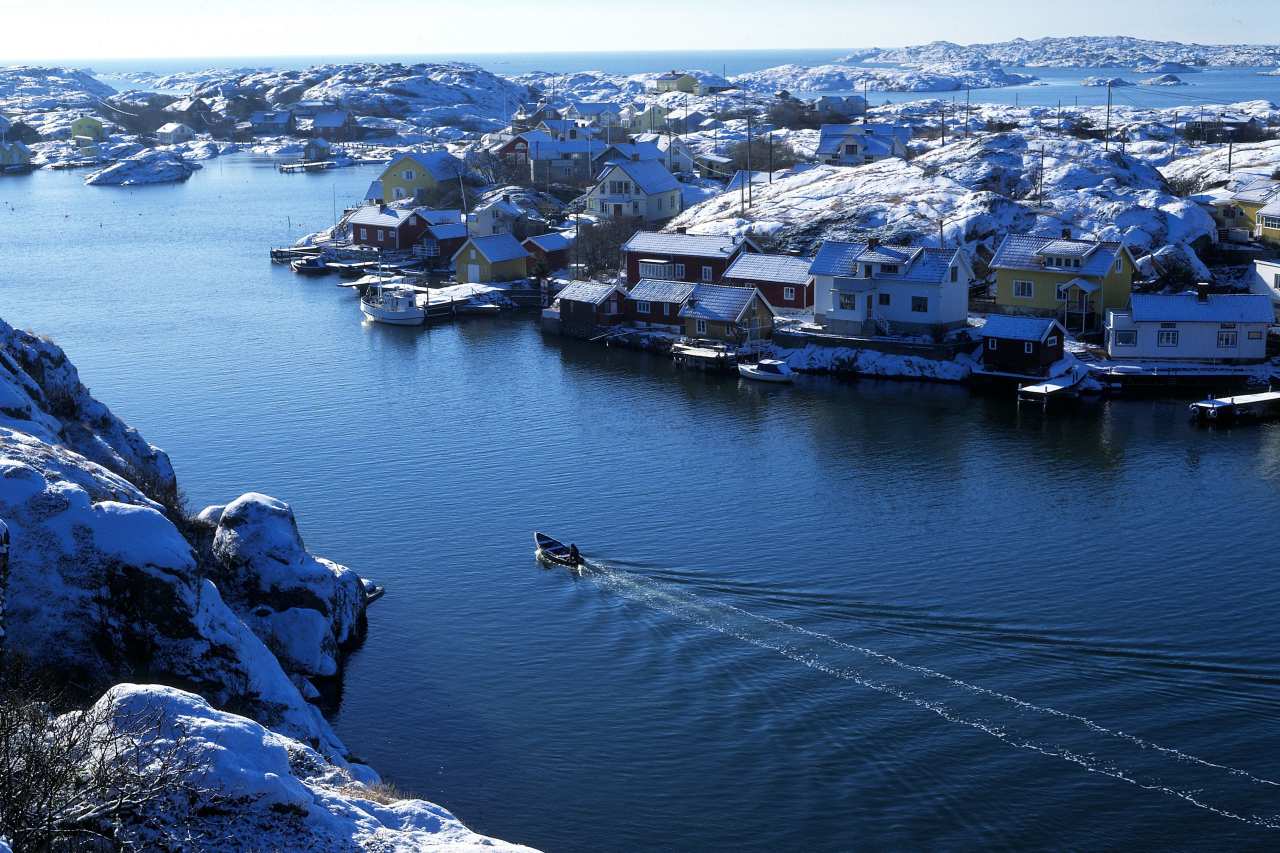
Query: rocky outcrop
x: 152, y: 166
x: 305, y: 608
x: 259, y: 790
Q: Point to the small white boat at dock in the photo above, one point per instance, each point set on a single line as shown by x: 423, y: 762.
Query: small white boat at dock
x: 395, y: 304
x: 767, y: 370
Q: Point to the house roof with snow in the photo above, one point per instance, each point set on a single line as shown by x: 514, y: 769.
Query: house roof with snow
x: 878, y: 136
x: 1028, y: 252
x: 173, y: 127
x: 1272, y: 208
x: 447, y: 230
x: 1011, y: 328
x: 270, y: 117
x: 593, y: 108
x: 380, y: 216
x: 915, y: 263
x: 782, y: 269
x: 552, y: 241
x: 661, y: 290
x: 1258, y: 191
x: 1188, y: 308
x: 632, y: 151
x: 650, y: 176
x: 496, y: 248
x: 440, y: 165
x: 590, y: 292
x: 689, y: 245
x: 331, y: 118
x: 719, y: 302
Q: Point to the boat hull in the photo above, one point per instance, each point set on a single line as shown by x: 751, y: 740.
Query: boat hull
x: 394, y: 318
x: 747, y: 371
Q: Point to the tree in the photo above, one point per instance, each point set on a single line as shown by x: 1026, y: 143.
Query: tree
x: 599, y: 245
x: 75, y: 780
x: 783, y: 157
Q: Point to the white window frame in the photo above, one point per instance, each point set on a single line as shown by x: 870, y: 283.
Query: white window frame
x: 788, y: 294
x: 680, y: 271
x: 1028, y: 347
x: 1167, y: 337
x: 642, y: 307
x: 1051, y: 341
x: 1255, y: 335
x: 1228, y: 339
x: 649, y: 269
x: 707, y: 273
x: 407, y: 174
x: 1028, y: 286
x: 851, y: 298
x: 1126, y: 337
x: 993, y: 344
x: 914, y: 303
x: 364, y: 233
x: 700, y: 327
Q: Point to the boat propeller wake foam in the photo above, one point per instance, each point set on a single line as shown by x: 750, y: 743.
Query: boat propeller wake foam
x: 1223, y: 790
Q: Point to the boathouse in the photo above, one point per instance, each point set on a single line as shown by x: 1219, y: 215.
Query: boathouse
x: 548, y: 252
x: 442, y: 240
x: 588, y: 308
x: 657, y: 303
x: 1022, y: 346
x: 734, y: 315
x: 497, y: 257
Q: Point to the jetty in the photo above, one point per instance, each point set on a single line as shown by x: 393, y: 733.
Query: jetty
x: 1066, y: 385
x: 704, y: 355
x: 316, y: 166
x: 1263, y: 405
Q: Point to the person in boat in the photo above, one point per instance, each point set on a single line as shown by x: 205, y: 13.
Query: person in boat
x: 575, y: 558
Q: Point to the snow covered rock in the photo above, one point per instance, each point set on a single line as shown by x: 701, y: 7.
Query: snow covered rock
x: 845, y: 78
x: 1113, y: 82
x: 272, y: 792
x: 305, y: 608
x: 1165, y: 80
x: 152, y: 166
x: 1083, y: 52
x: 28, y: 88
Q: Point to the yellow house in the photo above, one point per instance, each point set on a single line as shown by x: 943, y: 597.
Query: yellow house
x: 498, y: 257
x: 14, y: 156
x: 411, y: 175
x: 87, y: 129
x: 737, y: 315
x: 676, y: 81
x: 1268, y: 219
x: 653, y: 118
x: 1251, y: 198
x: 1075, y: 281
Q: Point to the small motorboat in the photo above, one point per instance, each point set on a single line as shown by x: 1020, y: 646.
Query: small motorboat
x: 394, y: 304
x: 766, y: 370
x: 553, y: 552
x: 310, y: 266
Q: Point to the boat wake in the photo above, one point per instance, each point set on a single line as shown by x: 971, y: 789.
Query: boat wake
x: 1218, y: 788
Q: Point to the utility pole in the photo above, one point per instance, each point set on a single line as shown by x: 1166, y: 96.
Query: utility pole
x: 866, y: 104
x: 1106, y: 134
x: 1059, y: 116
x: 967, y: 92
x: 942, y: 115
x: 771, y: 156
x: 1231, y: 145
x: 750, y: 174
x: 1040, y: 190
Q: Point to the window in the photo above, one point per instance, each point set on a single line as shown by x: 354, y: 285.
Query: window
x: 680, y: 271
x: 851, y: 149
x: 1062, y: 292
x: 1255, y: 336
x: 642, y: 307
x: 1051, y: 341
x: 888, y: 269
x: 706, y: 273
x: 408, y: 174
x: 993, y: 344
x: 648, y: 269
x: 920, y: 304
x: 1024, y: 290
x: 666, y: 309
x: 700, y: 326
x: 364, y: 233
x: 1075, y: 262
x: 885, y: 298
x: 1228, y: 340
x: 1119, y: 264
x: 1269, y: 221
x: 1167, y: 338
x: 1028, y: 347
x: 848, y: 302
x: 866, y: 270
x: 635, y: 207
x: 379, y: 233
x: 788, y: 294
x: 955, y: 273
x: 1127, y: 337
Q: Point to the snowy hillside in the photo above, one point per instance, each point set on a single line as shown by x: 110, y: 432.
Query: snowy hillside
x: 944, y: 77
x: 982, y: 188
x: 1081, y: 52
x: 27, y: 88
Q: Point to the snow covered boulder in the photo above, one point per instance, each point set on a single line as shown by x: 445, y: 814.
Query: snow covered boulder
x: 271, y: 791
x: 305, y: 608
x: 152, y: 166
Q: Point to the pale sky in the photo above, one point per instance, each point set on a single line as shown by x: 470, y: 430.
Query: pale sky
x: 114, y: 29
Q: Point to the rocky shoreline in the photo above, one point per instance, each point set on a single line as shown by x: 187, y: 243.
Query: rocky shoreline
x: 223, y: 620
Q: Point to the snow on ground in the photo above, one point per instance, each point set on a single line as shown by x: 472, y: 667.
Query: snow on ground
x: 286, y: 796
x: 849, y: 78
x: 983, y: 188
x: 823, y: 359
x: 1081, y: 52
x: 32, y: 89
x: 1208, y: 167
x: 151, y: 166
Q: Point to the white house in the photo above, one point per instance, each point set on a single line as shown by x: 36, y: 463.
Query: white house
x: 641, y: 189
x: 497, y: 216
x: 866, y: 288
x: 1192, y: 326
x: 1266, y: 281
x: 173, y: 133
x: 855, y: 144
x: 598, y: 113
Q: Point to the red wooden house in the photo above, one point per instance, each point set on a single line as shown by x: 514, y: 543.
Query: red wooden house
x: 550, y: 251
x: 657, y: 303
x: 681, y: 257
x: 586, y: 307
x: 783, y: 280
x: 386, y: 228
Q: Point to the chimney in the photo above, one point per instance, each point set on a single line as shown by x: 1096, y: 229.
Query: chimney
x: 506, y: 197
x: 873, y: 242
x: 1066, y: 233
x: 682, y: 229
x: 1202, y: 292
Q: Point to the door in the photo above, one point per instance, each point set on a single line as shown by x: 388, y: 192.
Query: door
x: 473, y: 272
x: 617, y: 210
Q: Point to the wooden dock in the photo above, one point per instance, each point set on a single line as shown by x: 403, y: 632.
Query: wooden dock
x: 1067, y: 385
x: 700, y: 355
x: 1263, y: 405
x: 316, y: 166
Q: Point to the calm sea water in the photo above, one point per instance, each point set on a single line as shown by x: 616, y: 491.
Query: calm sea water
x: 834, y: 616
